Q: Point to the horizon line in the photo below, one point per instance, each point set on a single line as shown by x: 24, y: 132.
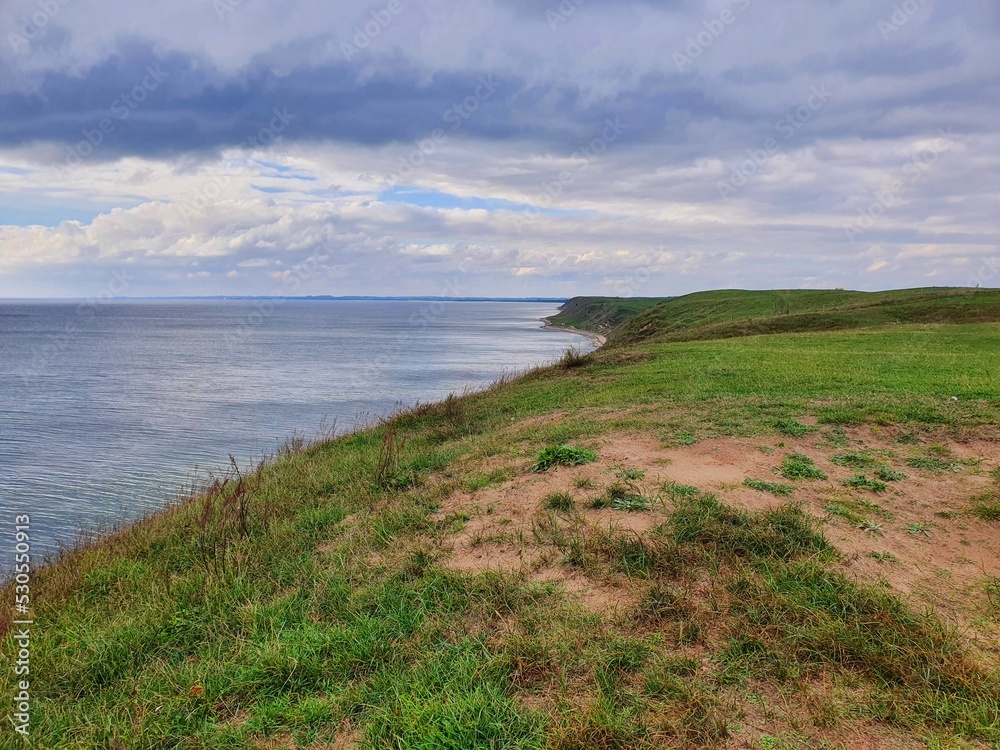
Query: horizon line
x: 308, y: 297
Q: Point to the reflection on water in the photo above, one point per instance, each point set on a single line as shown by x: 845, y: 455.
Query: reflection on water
x: 107, y: 412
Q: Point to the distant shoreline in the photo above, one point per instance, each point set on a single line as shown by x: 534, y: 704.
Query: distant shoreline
x: 597, y: 339
x: 312, y: 298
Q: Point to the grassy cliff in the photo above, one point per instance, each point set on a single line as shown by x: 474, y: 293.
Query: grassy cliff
x: 693, y: 537
x: 732, y: 313
x: 600, y: 314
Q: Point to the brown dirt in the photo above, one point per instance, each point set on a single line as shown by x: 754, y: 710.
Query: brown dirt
x: 803, y: 719
x: 945, y: 571
x: 499, y: 534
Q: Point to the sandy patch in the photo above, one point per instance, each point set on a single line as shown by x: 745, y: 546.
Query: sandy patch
x: 933, y: 551
x: 941, y: 557
x: 504, y: 528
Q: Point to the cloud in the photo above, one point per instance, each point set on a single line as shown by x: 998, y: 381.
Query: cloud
x: 208, y: 150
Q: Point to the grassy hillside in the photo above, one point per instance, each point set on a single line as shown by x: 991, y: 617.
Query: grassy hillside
x: 721, y: 314
x: 600, y: 314
x: 424, y: 584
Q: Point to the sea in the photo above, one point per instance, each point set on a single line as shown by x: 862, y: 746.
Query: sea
x: 110, y: 410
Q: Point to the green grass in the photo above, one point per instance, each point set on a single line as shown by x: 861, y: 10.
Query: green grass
x: 560, y: 501
x: 843, y: 511
x: 861, y: 482
x: 987, y: 506
x: 623, y: 496
x: 793, y: 428
x: 781, y: 490
x: 632, y: 475
x: 883, y: 557
x: 732, y: 313
x: 854, y: 459
x: 562, y: 455
x: 797, y: 466
x: 630, y: 503
x: 330, y: 610
x: 600, y: 313
x: 888, y: 474
x: 931, y: 463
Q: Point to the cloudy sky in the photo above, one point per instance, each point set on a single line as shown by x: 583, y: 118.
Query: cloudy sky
x: 501, y: 147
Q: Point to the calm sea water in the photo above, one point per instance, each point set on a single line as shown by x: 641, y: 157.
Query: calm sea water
x: 109, y: 411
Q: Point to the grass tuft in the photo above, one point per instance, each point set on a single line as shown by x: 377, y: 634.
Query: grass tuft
x: 797, y: 466
x: 883, y: 557
x: 793, y: 428
x: 624, y: 496
x: 782, y: 533
x: 562, y: 455
x: 861, y: 482
x: 560, y: 501
x: 781, y: 490
x: 630, y: 503
x: 573, y: 358
x: 854, y: 459
x: 987, y: 506
x: 888, y: 474
x: 932, y: 463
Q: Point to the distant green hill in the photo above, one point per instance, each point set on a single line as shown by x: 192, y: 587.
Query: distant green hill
x: 601, y: 314
x: 733, y: 313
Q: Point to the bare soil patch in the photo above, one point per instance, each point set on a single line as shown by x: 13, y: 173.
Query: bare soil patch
x: 927, y: 546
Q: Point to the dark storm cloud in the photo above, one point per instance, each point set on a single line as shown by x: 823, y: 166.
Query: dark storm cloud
x: 174, y: 103
x: 158, y: 105
x: 158, y: 102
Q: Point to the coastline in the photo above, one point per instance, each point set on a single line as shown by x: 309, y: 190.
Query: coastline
x: 597, y: 339
x: 335, y: 555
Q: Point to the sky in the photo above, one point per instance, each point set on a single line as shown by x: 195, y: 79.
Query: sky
x: 499, y: 147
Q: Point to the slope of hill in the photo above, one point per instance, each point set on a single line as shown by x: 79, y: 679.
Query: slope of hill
x: 600, y: 314
x: 729, y: 313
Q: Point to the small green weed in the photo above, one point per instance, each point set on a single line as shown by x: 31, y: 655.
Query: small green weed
x: 675, y: 490
x: 870, y: 527
x: 793, y: 428
x: 626, y: 494
x: 781, y: 490
x: 883, y: 557
x: 797, y: 466
x: 920, y: 529
x: 838, y: 509
x: 854, y: 459
x: 563, y: 455
x: 861, y: 482
x: 888, y: 474
x: 631, y: 475
x: 584, y: 483
x: 987, y: 507
x: 932, y: 464
x: 630, y: 503
x: 561, y: 501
